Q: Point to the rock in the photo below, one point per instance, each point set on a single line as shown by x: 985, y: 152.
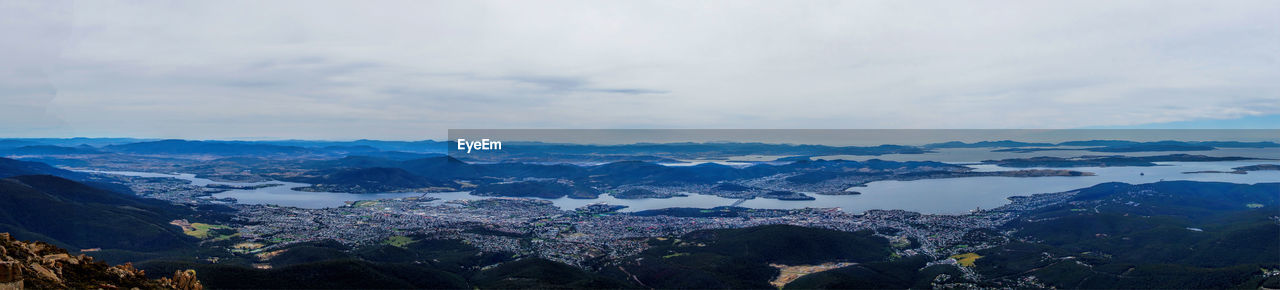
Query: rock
x: 183, y: 280
x: 186, y: 280
x: 10, y: 271
x: 60, y: 257
x: 45, y: 273
x: 125, y: 271
x: 12, y: 285
x: 39, y: 265
x: 41, y: 248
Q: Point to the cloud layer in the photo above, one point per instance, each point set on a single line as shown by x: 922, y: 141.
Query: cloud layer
x: 410, y: 70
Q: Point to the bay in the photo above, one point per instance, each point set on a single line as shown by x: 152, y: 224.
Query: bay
x: 937, y: 196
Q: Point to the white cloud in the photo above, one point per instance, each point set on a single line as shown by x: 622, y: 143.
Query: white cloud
x: 410, y: 70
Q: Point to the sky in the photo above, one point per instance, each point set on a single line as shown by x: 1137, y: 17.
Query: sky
x: 411, y: 70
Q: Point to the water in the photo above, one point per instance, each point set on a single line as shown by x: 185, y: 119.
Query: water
x: 277, y: 195
x: 285, y: 196
x: 959, y: 195
x: 941, y: 196
x: 971, y: 155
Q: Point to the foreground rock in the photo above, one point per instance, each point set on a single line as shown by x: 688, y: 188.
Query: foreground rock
x: 38, y: 265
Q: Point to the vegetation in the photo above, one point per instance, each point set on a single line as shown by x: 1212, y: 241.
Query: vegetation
x: 536, y: 273
x: 399, y: 241
x: 1141, y: 236
x: 896, y: 274
x: 419, y: 263
x: 543, y: 189
x: 966, y: 259
x: 643, y: 193
x: 201, y: 230
x: 740, y: 258
x: 1114, y: 235
x: 76, y: 216
x: 372, y: 180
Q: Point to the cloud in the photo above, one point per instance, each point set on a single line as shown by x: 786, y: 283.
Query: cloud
x: 411, y: 70
x: 568, y: 84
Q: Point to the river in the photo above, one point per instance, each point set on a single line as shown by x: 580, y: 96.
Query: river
x: 941, y: 196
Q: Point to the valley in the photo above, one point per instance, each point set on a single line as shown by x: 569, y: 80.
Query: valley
x: 640, y: 224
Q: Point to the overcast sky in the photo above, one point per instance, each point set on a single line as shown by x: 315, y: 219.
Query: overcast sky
x: 411, y: 70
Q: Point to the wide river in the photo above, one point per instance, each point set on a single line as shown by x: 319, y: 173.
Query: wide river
x: 942, y: 196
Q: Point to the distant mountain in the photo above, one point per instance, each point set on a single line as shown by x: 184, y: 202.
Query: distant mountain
x: 985, y: 144
x: 1106, y: 161
x: 50, y: 150
x: 1181, y: 146
x: 636, y: 172
x: 1152, y: 147
x: 15, y: 143
x: 1122, y: 146
x: 443, y: 167
x: 69, y: 142
x: 13, y: 167
x: 423, y: 146
x: 1103, y: 145
x: 228, y: 147
x: 1237, y: 144
x: 550, y: 152
x: 397, y: 155
x: 1217, y: 144
x: 77, y: 216
x: 350, y: 162
x: 1098, y: 143
x: 95, y: 142
x: 350, y: 149
x: 665, y: 152
x: 1196, y: 201
x: 563, y: 171
x: 184, y: 147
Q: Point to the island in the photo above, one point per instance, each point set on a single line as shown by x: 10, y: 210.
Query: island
x: 1242, y: 169
x: 223, y: 186
x: 839, y: 192
x: 540, y: 189
x: 1107, y: 161
x: 639, y: 193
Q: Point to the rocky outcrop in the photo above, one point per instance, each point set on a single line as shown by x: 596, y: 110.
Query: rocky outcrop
x: 39, y: 265
x: 183, y: 280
